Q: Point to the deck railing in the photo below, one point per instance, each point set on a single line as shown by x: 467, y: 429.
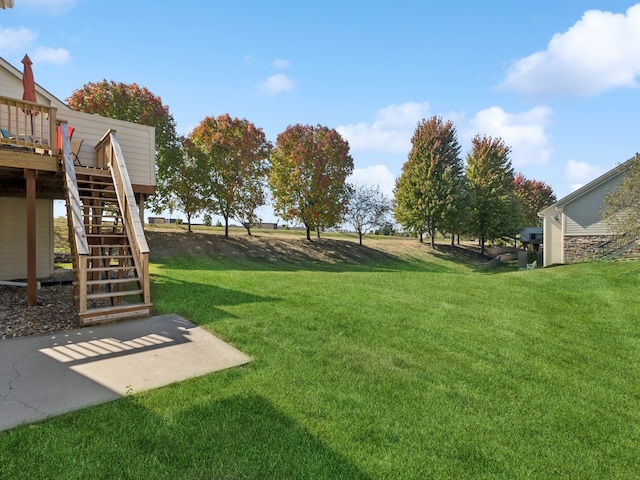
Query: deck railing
x: 109, y: 153
x: 28, y: 125
x: 79, y: 245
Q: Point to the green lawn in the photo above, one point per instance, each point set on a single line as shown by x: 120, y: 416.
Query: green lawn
x: 393, y: 369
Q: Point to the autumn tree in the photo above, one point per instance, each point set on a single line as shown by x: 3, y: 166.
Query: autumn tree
x: 495, y: 211
x: 367, y: 208
x: 309, y: 167
x: 187, y: 193
x: 533, y: 196
x: 428, y: 193
x: 136, y: 104
x: 621, y: 209
x: 234, y: 155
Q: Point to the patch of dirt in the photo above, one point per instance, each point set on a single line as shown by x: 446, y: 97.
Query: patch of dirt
x: 291, y: 249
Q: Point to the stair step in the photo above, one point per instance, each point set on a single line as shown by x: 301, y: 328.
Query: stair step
x: 107, y: 235
x: 109, y: 245
x: 118, y: 312
x: 114, y: 268
x: 110, y: 281
x: 123, y: 293
x: 92, y: 171
x: 100, y: 199
x: 105, y: 224
x: 108, y: 257
x: 99, y: 187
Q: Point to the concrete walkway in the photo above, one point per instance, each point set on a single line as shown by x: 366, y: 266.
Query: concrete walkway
x: 46, y: 375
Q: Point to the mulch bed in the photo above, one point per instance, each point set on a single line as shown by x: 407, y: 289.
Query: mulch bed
x: 54, y: 311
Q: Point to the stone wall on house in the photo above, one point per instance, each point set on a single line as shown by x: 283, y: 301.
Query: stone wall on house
x: 583, y: 248
x: 590, y: 247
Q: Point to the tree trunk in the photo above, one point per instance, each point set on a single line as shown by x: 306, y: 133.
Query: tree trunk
x: 453, y: 239
x: 481, y: 245
x: 308, y: 234
x: 432, y: 239
x: 247, y: 225
x: 421, y: 240
x: 360, y: 237
x: 226, y: 226
x: 189, y: 222
x: 318, y: 231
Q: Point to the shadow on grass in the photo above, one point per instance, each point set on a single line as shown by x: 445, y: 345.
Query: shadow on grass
x: 237, y: 437
x: 197, y: 300
x: 214, y: 252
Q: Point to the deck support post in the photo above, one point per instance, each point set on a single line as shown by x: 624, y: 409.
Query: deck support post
x: 32, y: 282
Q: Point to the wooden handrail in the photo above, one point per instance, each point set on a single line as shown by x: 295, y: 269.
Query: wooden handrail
x: 28, y: 125
x: 80, y: 247
x: 108, y: 150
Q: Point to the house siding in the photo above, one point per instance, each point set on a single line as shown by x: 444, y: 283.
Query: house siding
x: 553, y: 240
x: 13, y: 238
x: 584, y: 217
x: 137, y: 143
x: 11, y: 86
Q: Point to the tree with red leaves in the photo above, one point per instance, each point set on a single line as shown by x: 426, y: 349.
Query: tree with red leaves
x: 234, y: 155
x: 534, y: 196
x: 136, y: 104
x: 309, y: 168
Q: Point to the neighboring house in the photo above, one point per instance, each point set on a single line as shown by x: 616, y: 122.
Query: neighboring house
x: 573, y: 228
x: 531, y: 238
x: 104, y: 172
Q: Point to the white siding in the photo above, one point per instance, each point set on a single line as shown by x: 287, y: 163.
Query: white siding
x: 13, y: 238
x: 137, y: 143
x: 553, y: 240
x: 11, y: 86
x: 583, y: 215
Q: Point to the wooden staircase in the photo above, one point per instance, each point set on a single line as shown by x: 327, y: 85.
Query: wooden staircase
x: 111, y: 279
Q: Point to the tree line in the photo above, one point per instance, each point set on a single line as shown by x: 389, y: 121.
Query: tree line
x: 226, y: 166
x: 437, y: 192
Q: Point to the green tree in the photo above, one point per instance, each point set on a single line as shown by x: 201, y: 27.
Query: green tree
x: 533, y: 196
x: 367, y: 208
x: 234, y: 155
x: 429, y: 191
x: 309, y: 167
x: 495, y: 211
x: 621, y: 209
x: 136, y: 104
x: 188, y: 185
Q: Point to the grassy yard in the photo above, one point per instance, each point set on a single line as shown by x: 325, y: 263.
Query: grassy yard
x: 393, y: 367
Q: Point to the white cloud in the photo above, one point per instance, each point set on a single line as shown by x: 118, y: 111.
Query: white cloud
x: 524, y: 132
x: 276, y: 84
x: 16, y: 40
x: 375, y: 175
x: 280, y: 63
x: 600, y: 52
x: 578, y: 173
x: 58, y: 56
x: 391, y: 130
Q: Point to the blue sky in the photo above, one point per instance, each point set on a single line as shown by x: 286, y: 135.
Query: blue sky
x: 556, y: 80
